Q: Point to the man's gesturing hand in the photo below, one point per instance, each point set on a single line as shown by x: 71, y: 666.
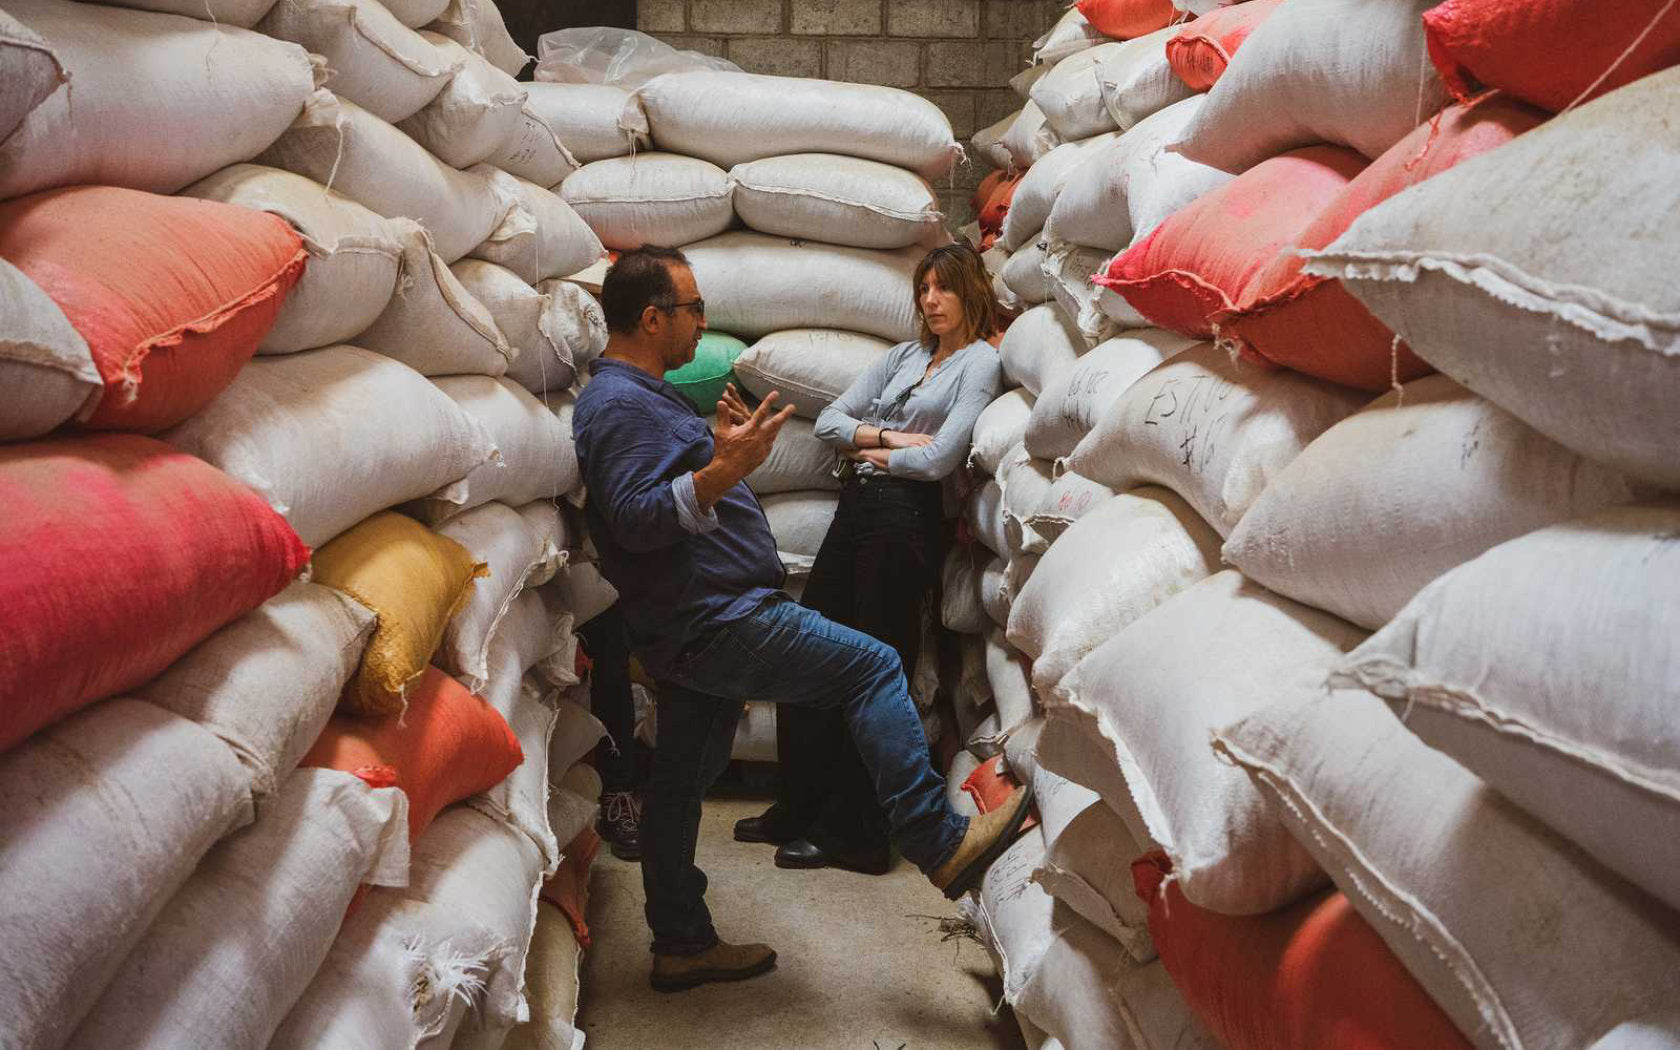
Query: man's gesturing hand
x: 739, y: 444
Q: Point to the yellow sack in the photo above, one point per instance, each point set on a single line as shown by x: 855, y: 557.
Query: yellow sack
x: 415, y: 581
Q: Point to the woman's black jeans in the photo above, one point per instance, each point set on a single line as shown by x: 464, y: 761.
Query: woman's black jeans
x: 874, y: 571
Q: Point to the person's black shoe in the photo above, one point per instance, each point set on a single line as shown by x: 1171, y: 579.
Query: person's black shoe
x: 763, y: 828
x: 802, y: 854
x: 620, y: 826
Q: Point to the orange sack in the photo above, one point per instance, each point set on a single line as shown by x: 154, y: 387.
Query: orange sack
x: 121, y: 553
x: 1125, y: 19
x: 172, y: 294
x: 1200, y: 259
x: 448, y: 745
x: 1312, y: 976
x: 1551, y: 52
x: 1312, y: 324
x: 983, y: 192
x: 997, y: 204
x: 1199, y: 53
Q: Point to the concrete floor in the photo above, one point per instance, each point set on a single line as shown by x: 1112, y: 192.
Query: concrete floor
x: 861, y: 960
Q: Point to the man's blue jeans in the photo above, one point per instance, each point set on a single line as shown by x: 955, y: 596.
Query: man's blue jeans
x: 781, y: 652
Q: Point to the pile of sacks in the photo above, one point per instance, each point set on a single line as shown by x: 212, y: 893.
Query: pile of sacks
x: 288, y: 579
x: 1340, y: 678
x: 804, y: 206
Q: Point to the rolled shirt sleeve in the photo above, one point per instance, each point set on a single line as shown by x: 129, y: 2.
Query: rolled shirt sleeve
x: 689, y: 515
x: 982, y: 382
x: 638, y: 480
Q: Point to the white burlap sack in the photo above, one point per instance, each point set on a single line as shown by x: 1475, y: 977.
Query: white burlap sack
x: 582, y: 591
x: 373, y: 60
x: 355, y: 255
x: 499, y: 537
x: 1020, y: 749
x: 1469, y: 918
x: 1215, y: 431
x: 1024, y: 278
x: 960, y: 609
x: 267, y: 683
x: 576, y: 732
x: 1029, y: 138
x: 595, y: 121
x: 1476, y: 300
x: 1069, y: 498
x: 1098, y: 313
x: 478, y: 24
x: 1035, y: 196
x: 1067, y: 751
x: 537, y: 461
x: 521, y: 800
x: 999, y: 428
x: 808, y: 367
x: 994, y: 598
x: 1122, y: 191
x: 213, y: 96
x: 799, y: 521
x: 1025, y: 488
x: 1490, y: 663
x: 728, y: 118
x: 973, y: 690
x: 574, y: 801
x: 415, y: 13
x: 1135, y: 80
x: 283, y: 425
x: 651, y: 198
x: 578, y: 330
x: 29, y: 71
x: 433, y: 324
x: 1088, y: 864
x: 483, y: 873
x: 534, y: 152
x: 475, y: 115
x: 837, y: 200
x: 755, y: 284
x: 1110, y: 567
x: 93, y: 843
x: 540, y: 326
x: 552, y: 975
x: 1076, y: 399
x: 755, y: 734
x: 983, y: 511
x: 1021, y: 83
x: 1059, y: 971
x: 543, y: 239
x: 1019, y: 572
x: 558, y: 536
x: 401, y: 975
x: 340, y: 145
x: 289, y: 878
x: 1008, y: 677
x: 242, y: 14
x: 47, y: 374
x: 1153, y: 694
x: 1070, y: 35
x: 1420, y: 481
x: 799, y: 460
x: 987, y: 143
x: 1040, y: 347
x: 1349, y: 72
x: 534, y: 634
x: 1071, y: 96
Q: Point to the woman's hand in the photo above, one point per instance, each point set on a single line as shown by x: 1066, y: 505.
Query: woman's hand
x: 875, y: 457
x: 901, y: 439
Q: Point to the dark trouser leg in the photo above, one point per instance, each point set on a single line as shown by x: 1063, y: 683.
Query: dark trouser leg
x: 608, y: 646
x: 695, y: 734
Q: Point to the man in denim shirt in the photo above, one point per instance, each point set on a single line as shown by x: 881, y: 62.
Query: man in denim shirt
x: 686, y: 544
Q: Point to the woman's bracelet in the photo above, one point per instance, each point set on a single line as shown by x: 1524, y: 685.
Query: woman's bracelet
x: 880, y: 437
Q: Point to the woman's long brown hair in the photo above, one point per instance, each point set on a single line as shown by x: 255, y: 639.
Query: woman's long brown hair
x: 958, y: 268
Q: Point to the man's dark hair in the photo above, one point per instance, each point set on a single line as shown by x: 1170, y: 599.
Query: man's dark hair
x: 639, y: 279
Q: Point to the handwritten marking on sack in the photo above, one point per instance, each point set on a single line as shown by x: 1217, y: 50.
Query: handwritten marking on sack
x: 1194, y: 409
x: 1084, y: 385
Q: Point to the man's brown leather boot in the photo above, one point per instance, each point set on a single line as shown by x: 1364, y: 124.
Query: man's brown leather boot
x: 720, y: 962
x: 988, y: 836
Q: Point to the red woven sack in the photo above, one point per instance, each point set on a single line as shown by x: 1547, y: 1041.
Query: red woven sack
x: 448, y: 745
x: 997, y: 205
x: 1125, y: 19
x: 118, y: 553
x: 1311, y: 324
x: 1312, y: 976
x: 1553, y: 53
x: 172, y: 294
x: 568, y: 888
x: 983, y: 192
x: 990, y: 787
x: 1199, y: 53
x: 1199, y: 260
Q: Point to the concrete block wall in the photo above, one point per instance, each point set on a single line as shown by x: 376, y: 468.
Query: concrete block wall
x: 958, y: 54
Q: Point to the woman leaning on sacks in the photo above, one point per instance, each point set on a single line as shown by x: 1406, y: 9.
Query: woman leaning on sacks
x: 903, y: 427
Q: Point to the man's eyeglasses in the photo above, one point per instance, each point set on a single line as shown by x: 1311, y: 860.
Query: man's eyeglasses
x: 697, y: 305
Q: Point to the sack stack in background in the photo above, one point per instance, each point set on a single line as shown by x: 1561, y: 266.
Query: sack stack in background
x: 1311, y: 220
x: 315, y: 359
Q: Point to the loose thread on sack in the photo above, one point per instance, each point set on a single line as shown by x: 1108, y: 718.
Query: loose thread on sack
x: 1623, y: 57
x: 1394, y: 372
